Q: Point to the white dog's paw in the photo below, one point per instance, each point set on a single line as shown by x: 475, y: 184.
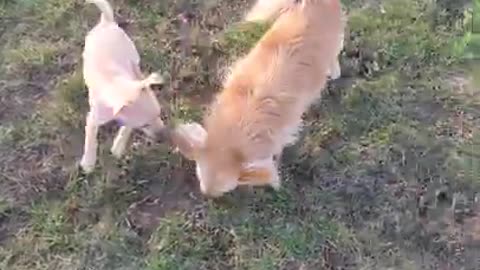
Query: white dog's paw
x: 87, y: 166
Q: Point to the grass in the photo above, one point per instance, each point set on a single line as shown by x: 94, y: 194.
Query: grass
x: 384, y: 177
x: 69, y: 102
x: 241, y: 37
x: 31, y: 54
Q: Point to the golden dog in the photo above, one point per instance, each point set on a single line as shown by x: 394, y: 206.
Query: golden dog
x: 259, y: 111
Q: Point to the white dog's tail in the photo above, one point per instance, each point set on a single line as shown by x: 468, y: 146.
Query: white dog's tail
x: 266, y: 10
x: 105, y: 8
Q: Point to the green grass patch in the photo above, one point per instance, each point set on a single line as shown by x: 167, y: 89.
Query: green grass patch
x: 467, y: 46
x: 183, y: 112
x: 49, y: 240
x: 245, y: 242
x: 31, y: 54
x: 240, y: 38
x: 25, y: 132
x: 399, y: 35
x: 182, y: 245
x: 47, y: 13
x: 69, y: 104
x: 51, y: 225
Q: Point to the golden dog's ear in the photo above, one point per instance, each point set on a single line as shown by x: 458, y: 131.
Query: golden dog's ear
x: 188, y: 139
x: 255, y: 176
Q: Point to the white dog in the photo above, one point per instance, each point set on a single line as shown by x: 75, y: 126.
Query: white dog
x: 117, y: 89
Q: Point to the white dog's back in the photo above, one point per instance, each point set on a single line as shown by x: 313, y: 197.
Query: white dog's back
x: 110, y: 63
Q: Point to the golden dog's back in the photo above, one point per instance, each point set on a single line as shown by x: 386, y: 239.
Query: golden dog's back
x: 265, y: 95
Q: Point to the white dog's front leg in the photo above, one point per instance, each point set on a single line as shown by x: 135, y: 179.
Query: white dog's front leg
x: 120, y: 142
x: 90, y: 148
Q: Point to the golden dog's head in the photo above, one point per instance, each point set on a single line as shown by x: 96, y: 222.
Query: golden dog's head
x: 219, y: 168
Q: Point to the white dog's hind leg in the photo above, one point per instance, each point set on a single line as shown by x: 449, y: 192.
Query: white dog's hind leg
x: 120, y: 142
x: 89, y: 157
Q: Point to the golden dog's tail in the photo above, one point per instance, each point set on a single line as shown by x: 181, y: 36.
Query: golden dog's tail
x: 105, y: 8
x: 266, y: 10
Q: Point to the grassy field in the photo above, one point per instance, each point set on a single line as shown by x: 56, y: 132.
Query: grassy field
x: 386, y: 175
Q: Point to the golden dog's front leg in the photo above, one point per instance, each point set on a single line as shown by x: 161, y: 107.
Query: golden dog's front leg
x: 335, y: 71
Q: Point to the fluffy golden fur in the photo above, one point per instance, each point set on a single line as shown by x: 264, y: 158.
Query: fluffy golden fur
x: 259, y: 110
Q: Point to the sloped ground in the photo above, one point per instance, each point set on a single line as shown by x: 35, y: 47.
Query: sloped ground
x: 386, y: 175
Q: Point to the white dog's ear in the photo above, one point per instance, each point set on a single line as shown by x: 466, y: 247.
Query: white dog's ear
x: 189, y: 138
